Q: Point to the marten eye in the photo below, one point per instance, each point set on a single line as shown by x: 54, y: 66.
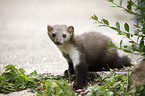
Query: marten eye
x: 64, y: 35
x: 53, y: 34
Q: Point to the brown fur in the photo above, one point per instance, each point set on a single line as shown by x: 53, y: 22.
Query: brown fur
x: 94, y: 52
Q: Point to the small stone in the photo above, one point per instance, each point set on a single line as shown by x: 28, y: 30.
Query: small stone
x: 137, y: 75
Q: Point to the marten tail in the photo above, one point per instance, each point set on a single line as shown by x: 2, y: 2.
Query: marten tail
x: 125, y: 61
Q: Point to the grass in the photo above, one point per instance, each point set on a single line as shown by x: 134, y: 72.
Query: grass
x: 112, y: 84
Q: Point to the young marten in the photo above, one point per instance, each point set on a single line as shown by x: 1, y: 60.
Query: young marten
x: 86, y: 52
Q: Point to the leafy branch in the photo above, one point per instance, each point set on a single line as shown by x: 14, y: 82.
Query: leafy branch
x: 129, y: 7
x: 137, y: 46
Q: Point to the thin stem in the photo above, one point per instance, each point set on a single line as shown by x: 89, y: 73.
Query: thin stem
x: 129, y: 11
x: 134, y: 3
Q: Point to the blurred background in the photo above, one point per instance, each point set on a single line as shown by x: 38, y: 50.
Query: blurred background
x: 23, y: 33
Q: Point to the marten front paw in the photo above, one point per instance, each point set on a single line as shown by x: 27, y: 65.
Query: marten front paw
x: 67, y: 73
x: 76, y: 87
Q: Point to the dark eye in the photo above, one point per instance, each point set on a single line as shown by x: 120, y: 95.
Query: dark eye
x: 64, y: 35
x: 53, y: 35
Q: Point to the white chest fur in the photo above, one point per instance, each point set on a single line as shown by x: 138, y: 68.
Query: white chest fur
x: 72, y: 51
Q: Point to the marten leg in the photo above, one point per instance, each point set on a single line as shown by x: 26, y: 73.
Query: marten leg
x: 70, y: 65
x: 70, y: 70
x: 81, y: 75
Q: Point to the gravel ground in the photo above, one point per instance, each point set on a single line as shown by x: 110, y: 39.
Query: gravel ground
x: 23, y: 35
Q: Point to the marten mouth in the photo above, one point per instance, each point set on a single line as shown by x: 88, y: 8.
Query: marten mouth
x: 57, y: 43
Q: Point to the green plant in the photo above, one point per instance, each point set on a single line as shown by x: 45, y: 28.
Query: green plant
x: 58, y: 88
x: 14, y: 79
x: 137, y: 46
x: 114, y: 85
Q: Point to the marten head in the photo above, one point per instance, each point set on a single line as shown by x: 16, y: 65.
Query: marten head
x: 60, y: 34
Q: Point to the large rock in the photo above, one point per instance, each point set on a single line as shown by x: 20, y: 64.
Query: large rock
x: 137, y: 75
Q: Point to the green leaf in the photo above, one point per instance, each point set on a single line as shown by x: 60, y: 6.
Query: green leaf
x: 8, y: 76
x: 62, y: 87
x: 131, y: 42
x: 138, y: 38
x: 105, y: 21
x: 141, y: 43
x: 129, y: 7
x: 125, y: 46
x: 19, y: 81
x: 114, y: 29
x: 126, y: 26
x: 141, y: 58
x: 31, y: 83
x: 137, y: 25
x: 120, y: 43
x: 113, y: 6
x: 113, y: 49
x: 127, y: 51
x: 101, y: 25
x: 121, y: 1
x: 116, y: 84
x: 33, y: 74
x: 50, y: 88
x: 127, y: 35
x: 110, y: 0
x: 95, y: 17
x: 111, y: 44
x: 136, y: 31
x: 9, y: 67
x: 22, y: 70
x: 143, y: 49
x: 117, y: 25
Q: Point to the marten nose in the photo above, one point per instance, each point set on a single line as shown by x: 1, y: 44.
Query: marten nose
x: 58, y: 40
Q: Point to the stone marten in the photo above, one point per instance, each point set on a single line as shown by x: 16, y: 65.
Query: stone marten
x: 87, y: 52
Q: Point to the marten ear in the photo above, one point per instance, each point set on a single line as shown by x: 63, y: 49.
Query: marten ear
x: 70, y: 29
x: 49, y: 28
